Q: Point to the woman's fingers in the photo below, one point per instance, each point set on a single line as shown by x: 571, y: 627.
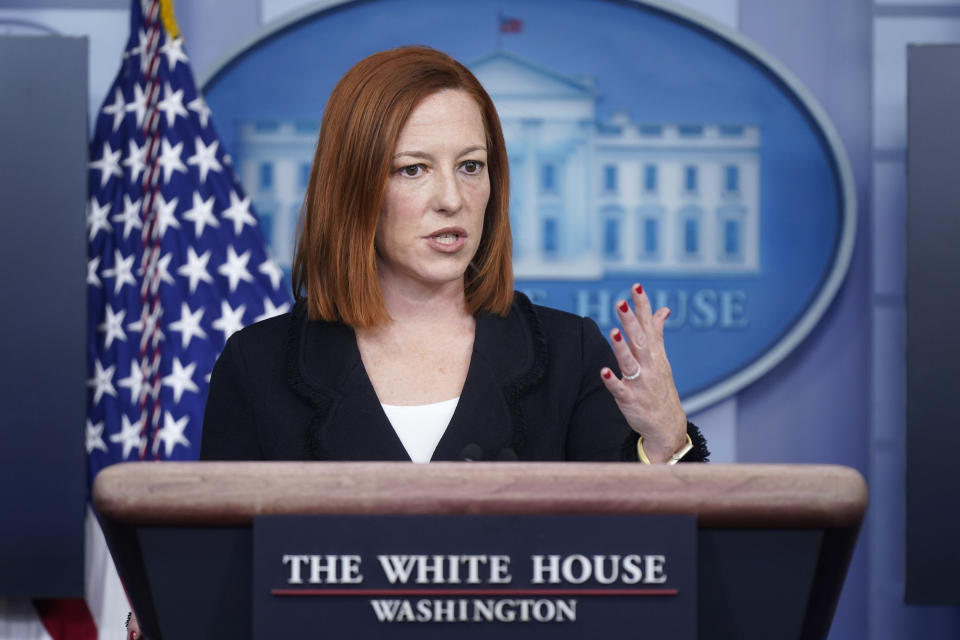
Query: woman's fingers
x: 641, y: 302
x: 614, y: 385
x: 629, y: 366
x: 660, y: 319
x: 628, y: 319
x: 640, y: 328
x: 634, y: 334
x: 645, y: 391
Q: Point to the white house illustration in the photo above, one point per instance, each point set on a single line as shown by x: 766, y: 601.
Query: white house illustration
x: 588, y: 198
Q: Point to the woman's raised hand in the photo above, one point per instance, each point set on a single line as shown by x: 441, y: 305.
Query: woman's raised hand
x: 646, y: 394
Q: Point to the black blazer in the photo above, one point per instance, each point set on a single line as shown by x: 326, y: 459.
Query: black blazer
x: 292, y: 389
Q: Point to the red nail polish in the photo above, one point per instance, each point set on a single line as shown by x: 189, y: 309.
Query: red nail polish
x: 638, y: 289
x: 607, y: 374
x: 617, y: 336
x: 623, y: 307
x: 668, y: 314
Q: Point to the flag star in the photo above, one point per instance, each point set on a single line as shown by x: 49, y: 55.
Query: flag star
x: 230, y: 320
x: 157, y: 271
x: 270, y: 310
x: 149, y: 270
x: 142, y: 38
x: 169, y: 159
x: 113, y: 326
x: 172, y: 104
x: 270, y: 269
x: 108, y: 164
x: 102, y: 381
x: 196, y: 268
x: 139, y: 104
x: 135, y: 382
x: 199, y: 106
x: 97, y: 217
x: 235, y: 268
x: 171, y: 434
x: 239, y: 212
x: 136, y: 159
x: 189, y: 324
x: 173, y: 49
x: 165, y: 216
x: 163, y: 268
x: 118, y: 109
x: 181, y: 379
x: 201, y: 214
x: 92, y: 265
x: 122, y: 270
x: 95, y: 437
x: 205, y: 157
x: 142, y: 49
x: 130, y: 216
x: 130, y: 436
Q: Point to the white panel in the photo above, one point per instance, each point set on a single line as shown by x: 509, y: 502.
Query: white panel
x: 889, y: 227
x: 107, y: 30
x: 884, y: 520
x: 273, y: 9
x: 916, y: 3
x: 889, y: 378
x: 890, y: 39
x: 719, y: 426
x: 725, y: 11
x: 19, y: 619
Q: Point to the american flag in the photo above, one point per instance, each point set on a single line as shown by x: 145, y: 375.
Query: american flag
x: 176, y: 256
x: 510, y: 24
x: 176, y: 263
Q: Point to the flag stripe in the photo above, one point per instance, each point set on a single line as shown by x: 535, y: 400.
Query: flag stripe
x: 66, y: 618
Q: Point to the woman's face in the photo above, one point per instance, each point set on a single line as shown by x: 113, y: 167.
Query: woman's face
x: 436, y: 194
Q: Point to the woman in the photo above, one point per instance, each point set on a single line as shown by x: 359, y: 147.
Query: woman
x: 408, y: 341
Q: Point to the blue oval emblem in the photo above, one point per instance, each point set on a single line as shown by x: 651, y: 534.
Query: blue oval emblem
x: 646, y: 144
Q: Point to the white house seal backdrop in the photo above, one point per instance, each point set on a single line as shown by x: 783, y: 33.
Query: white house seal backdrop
x: 645, y: 143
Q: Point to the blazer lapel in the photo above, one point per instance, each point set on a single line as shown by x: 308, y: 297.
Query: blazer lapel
x: 324, y: 367
x: 509, y: 355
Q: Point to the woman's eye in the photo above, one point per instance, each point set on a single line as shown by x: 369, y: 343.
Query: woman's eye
x: 411, y: 171
x: 472, y: 167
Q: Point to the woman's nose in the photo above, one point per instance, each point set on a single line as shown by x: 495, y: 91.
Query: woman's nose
x: 448, y: 197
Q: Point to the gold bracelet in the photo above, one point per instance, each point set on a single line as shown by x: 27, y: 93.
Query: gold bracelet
x: 674, y: 459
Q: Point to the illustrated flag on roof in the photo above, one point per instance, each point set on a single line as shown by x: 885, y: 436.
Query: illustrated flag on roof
x: 509, y: 24
x: 176, y: 256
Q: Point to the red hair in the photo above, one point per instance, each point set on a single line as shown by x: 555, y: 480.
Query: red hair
x: 334, y: 264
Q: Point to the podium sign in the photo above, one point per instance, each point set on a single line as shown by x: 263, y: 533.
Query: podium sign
x: 538, y: 576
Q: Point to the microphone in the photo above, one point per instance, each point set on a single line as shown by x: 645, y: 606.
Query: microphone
x: 472, y: 452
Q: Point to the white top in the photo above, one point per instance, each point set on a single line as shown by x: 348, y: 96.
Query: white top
x: 421, y: 426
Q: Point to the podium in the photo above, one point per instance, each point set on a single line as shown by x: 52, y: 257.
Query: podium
x: 773, y: 541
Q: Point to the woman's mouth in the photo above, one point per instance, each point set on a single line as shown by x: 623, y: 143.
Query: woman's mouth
x: 446, y: 238
x: 450, y: 239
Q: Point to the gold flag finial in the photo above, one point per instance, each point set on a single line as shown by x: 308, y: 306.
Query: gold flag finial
x: 169, y: 20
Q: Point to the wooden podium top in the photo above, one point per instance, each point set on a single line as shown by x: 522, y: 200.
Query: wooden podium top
x: 722, y: 496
